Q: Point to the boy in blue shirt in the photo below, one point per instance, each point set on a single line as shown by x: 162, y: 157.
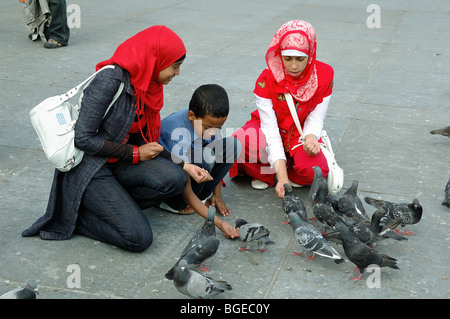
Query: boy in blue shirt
x: 193, y: 136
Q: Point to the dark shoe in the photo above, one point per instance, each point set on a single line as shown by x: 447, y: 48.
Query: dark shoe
x: 52, y: 44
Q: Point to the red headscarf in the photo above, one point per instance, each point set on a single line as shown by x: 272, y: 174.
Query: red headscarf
x: 144, y: 56
x: 294, y: 35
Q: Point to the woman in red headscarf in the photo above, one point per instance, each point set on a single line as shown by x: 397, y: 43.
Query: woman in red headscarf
x: 273, y: 151
x: 124, y: 169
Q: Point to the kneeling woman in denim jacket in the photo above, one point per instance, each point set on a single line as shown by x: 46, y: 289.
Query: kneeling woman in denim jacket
x: 124, y: 169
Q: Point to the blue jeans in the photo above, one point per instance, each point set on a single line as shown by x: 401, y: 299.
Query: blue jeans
x: 217, y: 158
x: 111, y: 207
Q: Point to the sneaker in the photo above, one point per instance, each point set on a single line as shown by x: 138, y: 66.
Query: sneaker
x: 52, y: 44
x: 295, y: 185
x: 257, y: 184
x: 166, y: 207
x: 186, y: 211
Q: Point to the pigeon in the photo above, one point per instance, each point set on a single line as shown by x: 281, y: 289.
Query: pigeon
x: 321, y: 207
x: 29, y: 292
x: 407, y: 213
x: 446, y: 201
x: 351, y: 206
x: 319, y: 184
x: 369, y: 232
x: 312, y: 240
x: 202, y: 246
x: 293, y: 203
x: 360, y: 254
x: 253, y: 232
x: 445, y: 131
x: 193, y: 284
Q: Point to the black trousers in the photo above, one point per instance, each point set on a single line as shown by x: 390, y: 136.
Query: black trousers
x: 58, y: 29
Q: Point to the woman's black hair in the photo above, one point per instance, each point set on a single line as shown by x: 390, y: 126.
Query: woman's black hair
x: 210, y: 99
x: 181, y: 59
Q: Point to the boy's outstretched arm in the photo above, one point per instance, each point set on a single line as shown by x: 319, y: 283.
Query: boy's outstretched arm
x: 192, y: 199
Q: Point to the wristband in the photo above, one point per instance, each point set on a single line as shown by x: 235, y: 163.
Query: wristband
x: 135, y: 154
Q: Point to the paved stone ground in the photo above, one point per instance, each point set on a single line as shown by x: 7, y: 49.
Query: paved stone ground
x: 391, y: 88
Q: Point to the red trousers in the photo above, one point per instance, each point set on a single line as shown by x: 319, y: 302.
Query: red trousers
x: 253, y: 159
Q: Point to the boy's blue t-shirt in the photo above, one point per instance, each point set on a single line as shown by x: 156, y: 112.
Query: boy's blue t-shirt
x: 178, y: 135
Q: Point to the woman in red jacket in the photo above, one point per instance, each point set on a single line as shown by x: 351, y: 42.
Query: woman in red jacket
x: 273, y: 151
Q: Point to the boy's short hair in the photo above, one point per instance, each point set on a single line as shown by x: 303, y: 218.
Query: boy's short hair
x: 210, y: 99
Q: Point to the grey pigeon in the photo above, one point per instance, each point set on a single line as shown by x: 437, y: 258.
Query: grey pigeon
x: 193, y: 284
x: 29, y: 292
x: 320, y: 183
x: 292, y: 203
x: 446, y: 201
x: 253, y: 232
x: 202, y: 246
x: 351, y: 206
x: 321, y: 207
x: 361, y: 254
x: 407, y: 213
x: 369, y: 232
x: 445, y: 131
x: 312, y: 240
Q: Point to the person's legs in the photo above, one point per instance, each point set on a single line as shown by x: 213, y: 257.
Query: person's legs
x: 253, y: 159
x: 151, y: 182
x: 58, y: 29
x: 110, y: 215
x: 300, y: 167
x: 218, y: 158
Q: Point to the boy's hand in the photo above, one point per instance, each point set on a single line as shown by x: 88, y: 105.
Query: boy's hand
x: 199, y: 174
x: 228, y: 230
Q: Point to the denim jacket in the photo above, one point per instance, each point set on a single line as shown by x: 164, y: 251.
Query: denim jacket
x: 90, y: 132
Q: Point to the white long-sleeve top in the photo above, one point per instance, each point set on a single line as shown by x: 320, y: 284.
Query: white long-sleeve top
x: 269, y: 126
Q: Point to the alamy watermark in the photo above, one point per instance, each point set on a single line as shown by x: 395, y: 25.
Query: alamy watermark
x: 74, y: 279
x: 73, y: 16
x: 374, y: 19
x: 374, y: 279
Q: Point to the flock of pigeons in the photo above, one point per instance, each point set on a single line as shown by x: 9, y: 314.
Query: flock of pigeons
x: 346, y: 217
x: 350, y: 227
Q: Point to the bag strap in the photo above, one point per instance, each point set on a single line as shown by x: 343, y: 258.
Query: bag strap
x: 88, y: 81
x: 73, y: 91
x: 294, y: 114
x: 116, y: 96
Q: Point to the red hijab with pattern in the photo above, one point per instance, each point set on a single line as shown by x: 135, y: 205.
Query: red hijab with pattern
x: 294, y: 35
x: 144, y: 55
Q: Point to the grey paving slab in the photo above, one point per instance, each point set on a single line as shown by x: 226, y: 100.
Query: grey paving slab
x: 391, y: 88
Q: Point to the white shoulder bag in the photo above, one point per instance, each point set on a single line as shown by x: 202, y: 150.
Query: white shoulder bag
x: 54, y: 121
x: 335, y: 176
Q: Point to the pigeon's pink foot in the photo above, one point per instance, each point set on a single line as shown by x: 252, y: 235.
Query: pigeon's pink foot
x: 357, y: 278
x: 407, y: 233
x: 297, y: 253
x: 202, y: 268
x: 356, y: 270
x: 311, y: 257
x: 404, y: 232
x: 243, y: 248
x: 262, y: 250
